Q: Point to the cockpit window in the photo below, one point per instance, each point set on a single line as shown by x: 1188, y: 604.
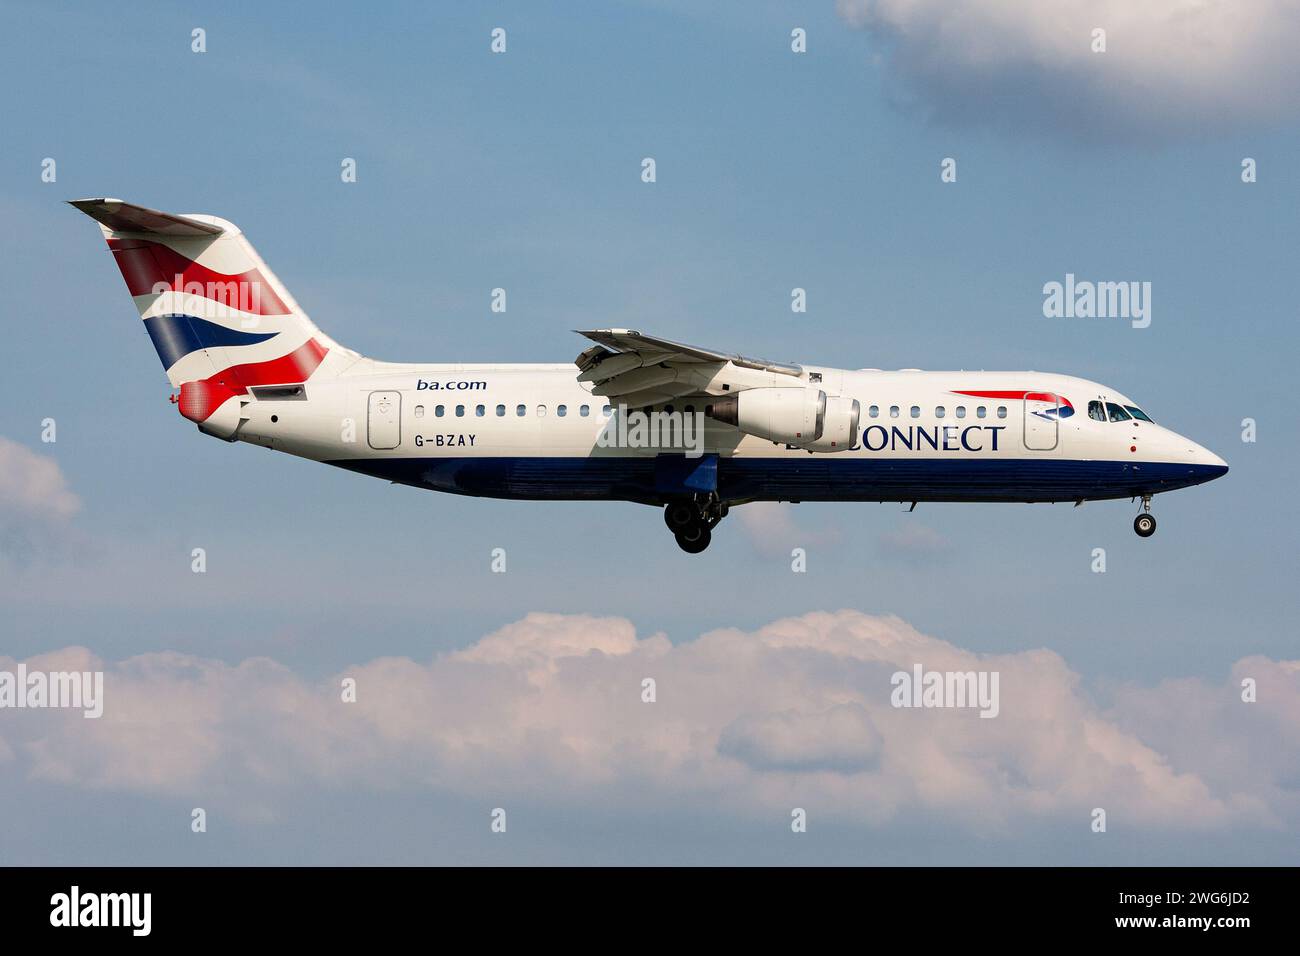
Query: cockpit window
x: 1139, y: 414
x: 1097, y: 411
x: 1117, y: 413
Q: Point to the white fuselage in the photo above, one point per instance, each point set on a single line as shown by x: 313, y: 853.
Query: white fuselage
x: 533, y: 431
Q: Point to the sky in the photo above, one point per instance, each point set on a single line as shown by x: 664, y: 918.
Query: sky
x: 775, y: 170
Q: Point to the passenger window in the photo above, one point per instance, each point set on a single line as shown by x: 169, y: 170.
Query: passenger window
x: 605, y: 412
x: 874, y: 411
x: 1002, y: 411
x: 668, y: 409
x: 584, y: 410
x: 521, y: 410
x: 916, y: 411
x: 501, y: 411
x: 893, y: 411
x: 460, y: 411
x: 1096, y: 411
x: 960, y: 411
x: 1117, y: 414
x: 419, y: 411
x: 939, y: 412
x: 480, y: 411
x: 981, y: 411
x: 561, y: 410
x: 438, y: 410
x: 690, y: 410
x: 541, y: 411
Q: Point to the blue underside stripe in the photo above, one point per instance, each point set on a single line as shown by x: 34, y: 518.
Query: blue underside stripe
x: 817, y: 479
x: 176, y: 336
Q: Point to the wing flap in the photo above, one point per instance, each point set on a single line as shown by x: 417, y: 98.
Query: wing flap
x: 635, y: 380
x: 609, y: 366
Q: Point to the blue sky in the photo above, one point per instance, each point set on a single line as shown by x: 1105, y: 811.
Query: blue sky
x: 522, y: 170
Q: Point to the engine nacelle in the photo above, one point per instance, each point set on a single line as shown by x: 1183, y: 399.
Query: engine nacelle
x: 789, y: 415
x: 839, y: 429
x: 803, y: 417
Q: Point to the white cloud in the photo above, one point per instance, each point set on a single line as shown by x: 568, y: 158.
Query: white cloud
x: 796, y: 713
x: 1169, y: 65
x: 842, y: 739
x: 773, y: 531
x: 1231, y: 741
x: 32, y: 486
x: 35, y: 504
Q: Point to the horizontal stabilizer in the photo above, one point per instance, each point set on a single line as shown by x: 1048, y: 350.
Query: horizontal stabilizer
x: 126, y: 217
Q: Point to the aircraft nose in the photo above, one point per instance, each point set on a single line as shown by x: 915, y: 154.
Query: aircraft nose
x: 1207, y: 464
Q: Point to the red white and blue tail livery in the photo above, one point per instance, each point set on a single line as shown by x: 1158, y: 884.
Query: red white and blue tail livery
x: 638, y: 418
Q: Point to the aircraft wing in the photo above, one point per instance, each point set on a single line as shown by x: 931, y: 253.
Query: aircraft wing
x: 637, y: 369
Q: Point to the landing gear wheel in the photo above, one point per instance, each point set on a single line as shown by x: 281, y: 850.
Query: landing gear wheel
x: 680, y: 515
x: 694, y: 539
x: 1144, y: 525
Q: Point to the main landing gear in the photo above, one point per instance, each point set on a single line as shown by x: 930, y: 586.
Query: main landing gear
x: 691, y: 520
x: 1145, y: 524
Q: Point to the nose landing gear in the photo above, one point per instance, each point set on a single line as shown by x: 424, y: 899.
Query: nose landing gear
x: 1145, y: 524
x: 691, y: 521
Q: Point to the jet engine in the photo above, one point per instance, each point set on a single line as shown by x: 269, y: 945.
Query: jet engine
x: 804, y: 417
x: 839, y: 431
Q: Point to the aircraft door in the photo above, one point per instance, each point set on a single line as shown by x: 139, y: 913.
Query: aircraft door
x: 1042, y: 413
x: 384, y: 426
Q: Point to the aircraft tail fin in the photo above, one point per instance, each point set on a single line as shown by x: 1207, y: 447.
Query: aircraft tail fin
x: 220, y: 320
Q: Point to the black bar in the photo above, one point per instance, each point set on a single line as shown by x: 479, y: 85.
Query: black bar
x: 976, y: 905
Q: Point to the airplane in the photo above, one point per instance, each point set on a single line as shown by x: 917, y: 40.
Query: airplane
x: 635, y: 417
